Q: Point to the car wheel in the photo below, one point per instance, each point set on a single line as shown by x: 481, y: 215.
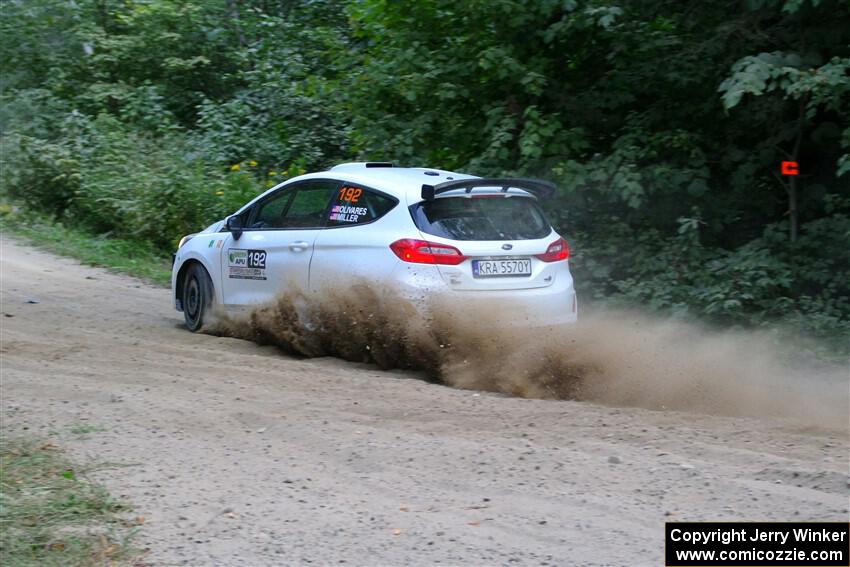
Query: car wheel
x: 197, y: 297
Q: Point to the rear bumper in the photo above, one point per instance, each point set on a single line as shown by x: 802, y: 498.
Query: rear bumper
x: 533, y: 308
x: 553, y: 305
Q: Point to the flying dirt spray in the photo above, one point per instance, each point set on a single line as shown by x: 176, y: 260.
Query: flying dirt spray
x: 617, y: 358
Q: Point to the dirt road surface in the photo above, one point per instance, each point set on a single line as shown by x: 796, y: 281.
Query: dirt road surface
x: 238, y: 455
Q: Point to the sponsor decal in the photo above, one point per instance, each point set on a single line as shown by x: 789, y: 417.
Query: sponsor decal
x: 246, y: 264
x: 210, y: 244
x: 347, y: 213
x: 219, y: 243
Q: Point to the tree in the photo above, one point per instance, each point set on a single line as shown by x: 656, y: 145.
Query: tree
x: 814, y: 90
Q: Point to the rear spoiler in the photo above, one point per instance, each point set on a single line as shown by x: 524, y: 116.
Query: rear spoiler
x: 537, y: 187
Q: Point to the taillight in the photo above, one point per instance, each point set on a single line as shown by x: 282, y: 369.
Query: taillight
x: 424, y: 252
x: 558, y: 250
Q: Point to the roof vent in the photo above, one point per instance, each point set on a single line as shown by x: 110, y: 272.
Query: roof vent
x: 379, y: 164
x: 430, y: 173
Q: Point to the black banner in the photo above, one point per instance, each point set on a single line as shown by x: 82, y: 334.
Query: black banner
x: 763, y: 544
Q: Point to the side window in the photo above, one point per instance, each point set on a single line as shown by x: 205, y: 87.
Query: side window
x: 270, y: 211
x: 301, y: 206
x: 354, y: 205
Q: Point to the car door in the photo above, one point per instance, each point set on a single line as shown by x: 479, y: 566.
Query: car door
x: 354, y: 246
x: 276, y: 247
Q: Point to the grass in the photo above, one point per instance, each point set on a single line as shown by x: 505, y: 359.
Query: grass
x: 84, y: 428
x: 135, y: 258
x: 51, y: 514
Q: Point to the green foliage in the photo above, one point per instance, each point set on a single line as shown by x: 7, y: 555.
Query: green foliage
x: 112, y: 179
x: 150, y: 189
x: 764, y: 282
x: 825, y: 86
x: 40, y: 174
x: 663, y: 123
x: 287, y: 110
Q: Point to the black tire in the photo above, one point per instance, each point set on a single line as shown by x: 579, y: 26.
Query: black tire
x: 197, y: 297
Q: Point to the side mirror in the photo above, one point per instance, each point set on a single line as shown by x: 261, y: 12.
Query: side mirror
x: 234, y: 225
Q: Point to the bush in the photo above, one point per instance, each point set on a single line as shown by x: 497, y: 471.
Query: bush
x: 40, y: 174
x: 766, y: 282
x: 118, y: 181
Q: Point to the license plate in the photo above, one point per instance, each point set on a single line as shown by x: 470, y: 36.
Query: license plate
x: 517, y: 267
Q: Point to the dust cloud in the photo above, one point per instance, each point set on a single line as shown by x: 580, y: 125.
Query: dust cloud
x: 616, y: 358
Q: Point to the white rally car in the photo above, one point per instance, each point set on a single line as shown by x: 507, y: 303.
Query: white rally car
x: 416, y: 231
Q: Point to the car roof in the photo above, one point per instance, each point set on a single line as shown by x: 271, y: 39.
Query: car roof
x: 405, y: 183
x: 401, y: 182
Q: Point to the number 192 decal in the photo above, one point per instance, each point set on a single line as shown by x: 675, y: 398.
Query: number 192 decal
x: 350, y: 194
x: 257, y: 259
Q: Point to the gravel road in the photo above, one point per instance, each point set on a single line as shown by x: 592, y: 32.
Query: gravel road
x: 236, y: 454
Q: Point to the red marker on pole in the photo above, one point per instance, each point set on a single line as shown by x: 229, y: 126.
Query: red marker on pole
x: 790, y: 168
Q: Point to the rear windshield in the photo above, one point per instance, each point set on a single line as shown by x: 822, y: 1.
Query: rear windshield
x: 481, y: 218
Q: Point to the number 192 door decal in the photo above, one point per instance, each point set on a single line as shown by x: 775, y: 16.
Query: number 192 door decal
x: 246, y: 264
x: 345, y: 209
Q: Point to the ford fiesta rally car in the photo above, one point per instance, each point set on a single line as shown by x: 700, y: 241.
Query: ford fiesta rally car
x: 416, y: 231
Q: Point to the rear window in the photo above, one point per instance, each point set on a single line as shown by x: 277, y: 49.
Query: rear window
x: 481, y: 218
x: 354, y: 205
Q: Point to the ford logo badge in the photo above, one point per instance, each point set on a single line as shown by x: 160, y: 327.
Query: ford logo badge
x: 507, y: 246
